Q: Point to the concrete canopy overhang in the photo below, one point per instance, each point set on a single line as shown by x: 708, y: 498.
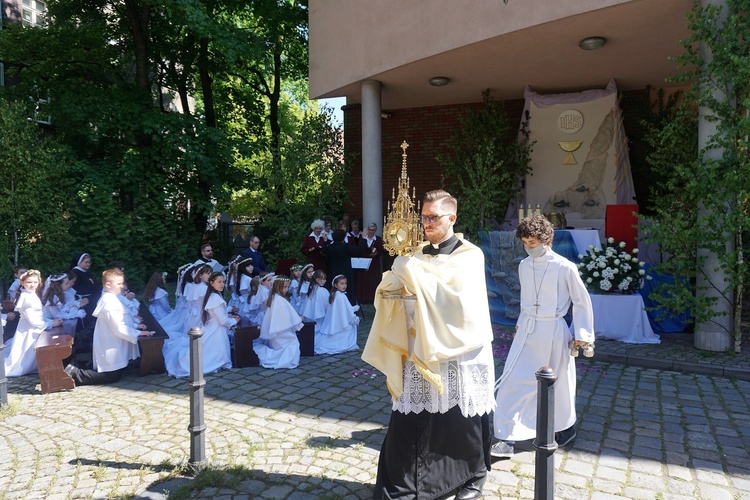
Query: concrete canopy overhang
x: 488, y: 44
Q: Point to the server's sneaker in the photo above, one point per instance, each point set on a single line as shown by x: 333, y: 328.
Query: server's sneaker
x: 566, y: 436
x: 502, y: 449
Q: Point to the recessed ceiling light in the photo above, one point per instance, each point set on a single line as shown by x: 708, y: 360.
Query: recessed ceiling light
x: 592, y: 43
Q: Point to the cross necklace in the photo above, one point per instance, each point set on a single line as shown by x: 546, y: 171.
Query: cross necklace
x: 539, y: 289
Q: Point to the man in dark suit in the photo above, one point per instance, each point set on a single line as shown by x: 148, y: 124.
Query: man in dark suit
x: 259, y: 263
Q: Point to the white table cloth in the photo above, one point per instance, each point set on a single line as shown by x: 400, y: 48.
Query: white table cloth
x: 585, y: 237
x: 623, y: 318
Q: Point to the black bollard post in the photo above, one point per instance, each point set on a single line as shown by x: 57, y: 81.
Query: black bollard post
x: 197, y: 426
x: 545, y: 444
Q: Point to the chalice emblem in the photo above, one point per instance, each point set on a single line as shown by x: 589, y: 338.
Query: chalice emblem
x: 569, y: 147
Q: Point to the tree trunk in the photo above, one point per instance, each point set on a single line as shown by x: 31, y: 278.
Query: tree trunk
x: 273, y: 118
x: 138, y: 19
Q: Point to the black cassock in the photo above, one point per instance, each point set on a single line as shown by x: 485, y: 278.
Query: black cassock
x: 339, y: 257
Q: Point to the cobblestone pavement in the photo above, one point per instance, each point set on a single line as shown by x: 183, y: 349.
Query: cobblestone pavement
x: 315, y: 432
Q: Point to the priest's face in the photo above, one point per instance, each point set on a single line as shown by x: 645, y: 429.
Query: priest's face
x: 440, y: 230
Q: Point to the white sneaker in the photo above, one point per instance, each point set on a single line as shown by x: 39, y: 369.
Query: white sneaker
x: 502, y: 449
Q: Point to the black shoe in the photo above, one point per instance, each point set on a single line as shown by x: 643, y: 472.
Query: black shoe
x: 502, y: 449
x: 566, y: 436
x: 472, y: 489
x: 70, y: 369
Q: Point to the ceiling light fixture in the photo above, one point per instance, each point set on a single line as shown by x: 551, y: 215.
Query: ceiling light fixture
x: 592, y: 43
x: 439, y: 81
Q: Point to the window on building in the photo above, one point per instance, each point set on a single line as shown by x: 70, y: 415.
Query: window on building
x: 32, y: 12
x: 41, y: 112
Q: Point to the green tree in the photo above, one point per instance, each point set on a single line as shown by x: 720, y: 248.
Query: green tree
x: 34, y: 205
x: 712, y: 191
x: 484, y: 163
x: 315, y: 176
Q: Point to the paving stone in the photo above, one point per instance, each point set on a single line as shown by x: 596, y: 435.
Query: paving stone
x: 714, y: 492
x: 316, y: 431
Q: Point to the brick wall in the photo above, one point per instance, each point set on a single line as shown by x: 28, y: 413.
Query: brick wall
x: 426, y: 130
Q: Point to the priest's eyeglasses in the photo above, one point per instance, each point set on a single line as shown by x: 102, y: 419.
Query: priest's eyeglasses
x: 433, y: 218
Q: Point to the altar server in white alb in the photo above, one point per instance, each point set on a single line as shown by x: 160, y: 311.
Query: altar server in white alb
x: 115, y: 338
x: 338, y: 333
x: 436, y: 353
x: 549, y: 285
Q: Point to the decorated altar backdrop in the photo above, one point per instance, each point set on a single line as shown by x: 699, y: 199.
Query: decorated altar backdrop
x: 580, y: 161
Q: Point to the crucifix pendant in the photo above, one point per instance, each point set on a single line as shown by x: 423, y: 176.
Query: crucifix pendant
x: 537, y: 309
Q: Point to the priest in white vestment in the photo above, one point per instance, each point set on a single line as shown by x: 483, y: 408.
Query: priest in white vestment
x: 436, y: 353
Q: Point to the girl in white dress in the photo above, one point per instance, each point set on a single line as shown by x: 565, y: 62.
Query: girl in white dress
x: 303, y: 286
x: 56, y: 300
x: 195, y: 296
x: 215, y: 322
x: 157, y: 297
x: 56, y: 304
x: 174, y: 323
x: 256, y: 303
x: 296, y: 274
x: 244, y: 280
x: 20, y: 358
x: 278, y: 346
x: 317, y: 300
x: 338, y: 333
x: 232, y: 283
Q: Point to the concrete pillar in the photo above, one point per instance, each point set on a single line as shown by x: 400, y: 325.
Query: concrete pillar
x: 372, y: 156
x: 713, y: 335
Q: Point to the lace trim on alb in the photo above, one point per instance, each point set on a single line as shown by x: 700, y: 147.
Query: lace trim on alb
x: 468, y: 386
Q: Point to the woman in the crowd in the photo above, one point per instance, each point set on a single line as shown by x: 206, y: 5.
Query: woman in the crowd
x: 86, y: 285
x: 314, y: 243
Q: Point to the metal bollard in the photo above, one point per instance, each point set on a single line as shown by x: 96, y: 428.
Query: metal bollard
x: 545, y: 444
x: 196, y: 383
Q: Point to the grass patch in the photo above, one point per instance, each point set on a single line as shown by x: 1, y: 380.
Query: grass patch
x: 7, y: 411
x: 213, y: 477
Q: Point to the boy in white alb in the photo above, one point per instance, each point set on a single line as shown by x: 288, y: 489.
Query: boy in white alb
x: 115, y: 339
x: 550, y: 283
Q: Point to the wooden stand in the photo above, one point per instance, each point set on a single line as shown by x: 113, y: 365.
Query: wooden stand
x: 152, y: 356
x: 51, y: 349
x: 244, y: 354
x: 306, y: 337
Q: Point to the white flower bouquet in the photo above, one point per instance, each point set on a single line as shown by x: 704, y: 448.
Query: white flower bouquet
x: 612, y: 269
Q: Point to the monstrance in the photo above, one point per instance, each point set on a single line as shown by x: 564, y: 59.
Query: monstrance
x: 402, y: 227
